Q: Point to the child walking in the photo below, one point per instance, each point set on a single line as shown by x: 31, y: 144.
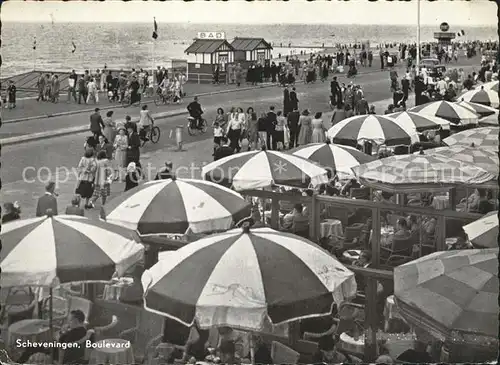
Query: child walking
x: 218, y: 134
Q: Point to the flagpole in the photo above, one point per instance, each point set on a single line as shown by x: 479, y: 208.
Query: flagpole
x: 418, y: 33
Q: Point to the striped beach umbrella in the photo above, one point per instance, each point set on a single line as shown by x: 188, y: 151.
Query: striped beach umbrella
x: 176, y: 206
x: 245, y: 277
x: 419, y: 122
x: 452, y: 112
x: 481, y: 96
x: 376, y: 128
x: 487, y: 159
x: 340, y: 159
x: 420, y: 172
x: 492, y: 85
x: 49, y: 250
x: 483, y: 233
x: 485, y: 137
x: 260, y: 169
x: 481, y: 110
x: 490, y: 120
x: 453, y: 294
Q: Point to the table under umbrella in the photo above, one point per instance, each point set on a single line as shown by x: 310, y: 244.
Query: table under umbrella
x: 481, y: 110
x: 485, y: 137
x: 451, y: 294
x: 176, y: 206
x: 376, y: 128
x: 243, y: 277
x: 339, y: 159
x: 482, y: 157
x: 491, y: 85
x: 418, y: 121
x: 481, y: 96
x: 452, y: 112
x: 260, y: 169
x: 419, y: 172
x: 483, y: 233
x: 51, y: 250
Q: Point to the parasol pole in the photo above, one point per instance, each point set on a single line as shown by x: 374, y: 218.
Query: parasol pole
x: 51, y: 329
x: 252, y: 349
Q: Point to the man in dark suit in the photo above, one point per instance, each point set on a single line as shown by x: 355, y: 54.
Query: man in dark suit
x: 224, y: 150
x: 134, y: 144
x: 293, y: 126
x: 47, y: 201
x: 96, y: 123
x: 405, y: 86
x: 294, y: 101
x: 272, y: 119
x: 166, y: 172
x: 335, y: 91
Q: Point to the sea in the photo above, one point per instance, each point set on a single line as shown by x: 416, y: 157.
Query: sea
x: 130, y: 45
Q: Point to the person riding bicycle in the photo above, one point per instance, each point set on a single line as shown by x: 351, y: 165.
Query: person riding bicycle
x: 195, y: 111
x: 165, y: 87
x: 145, y: 123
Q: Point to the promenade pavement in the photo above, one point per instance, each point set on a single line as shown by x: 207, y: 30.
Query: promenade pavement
x: 187, y: 164
x: 65, y: 151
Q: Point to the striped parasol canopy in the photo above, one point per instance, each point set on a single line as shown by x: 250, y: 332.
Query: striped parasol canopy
x: 487, y: 159
x: 340, y: 159
x: 245, y: 277
x: 51, y: 250
x: 452, y: 112
x: 260, y: 169
x: 453, y: 294
x: 483, y: 233
x: 481, y: 96
x: 481, y: 110
x: 376, y: 128
x: 491, y: 85
x: 485, y: 137
x: 176, y: 206
x: 490, y: 120
x: 419, y: 122
x: 419, y: 172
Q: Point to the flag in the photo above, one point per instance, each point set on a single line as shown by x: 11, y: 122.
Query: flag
x: 74, y: 47
x: 34, y: 44
x: 155, y: 30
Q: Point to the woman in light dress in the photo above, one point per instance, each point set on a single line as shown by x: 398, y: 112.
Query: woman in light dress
x: 120, y: 145
x: 234, y: 128
x: 318, y: 132
x: 305, y: 129
x: 252, y: 128
x: 109, y: 127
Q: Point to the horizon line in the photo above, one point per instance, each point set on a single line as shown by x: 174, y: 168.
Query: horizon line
x: 204, y: 23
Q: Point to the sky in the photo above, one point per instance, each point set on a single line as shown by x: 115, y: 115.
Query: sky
x: 470, y: 13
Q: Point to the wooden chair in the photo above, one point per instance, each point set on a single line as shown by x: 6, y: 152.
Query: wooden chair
x: 74, y: 303
x: 282, y: 354
x: 81, y: 343
x: 400, y: 247
x: 27, y: 313
x: 300, y: 226
x: 360, y: 193
x: 146, y: 335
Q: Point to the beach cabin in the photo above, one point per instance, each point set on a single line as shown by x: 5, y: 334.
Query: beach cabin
x: 204, y: 55
x: 251, y: 50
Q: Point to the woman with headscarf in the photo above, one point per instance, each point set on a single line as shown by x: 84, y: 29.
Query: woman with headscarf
x: 305, y: 129
x: 132, y: 177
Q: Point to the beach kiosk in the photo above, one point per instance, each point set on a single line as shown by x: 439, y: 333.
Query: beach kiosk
x: 251, y: 50
x: 209, y: 50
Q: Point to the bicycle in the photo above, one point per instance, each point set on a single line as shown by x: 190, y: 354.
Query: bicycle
x: 126, y: 99
x: 162, y: 98
x: 193, y: 129
x: 152, y: 134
